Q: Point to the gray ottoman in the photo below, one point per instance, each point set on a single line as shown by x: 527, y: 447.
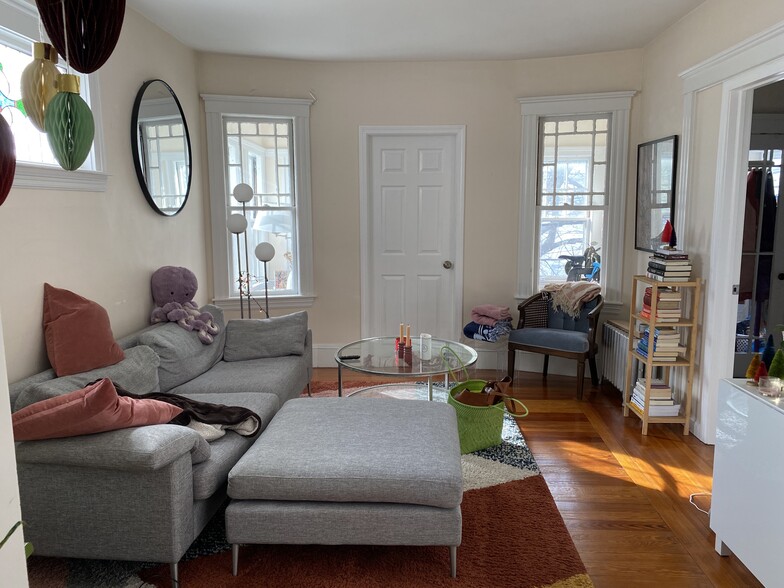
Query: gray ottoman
x: 336, y: 471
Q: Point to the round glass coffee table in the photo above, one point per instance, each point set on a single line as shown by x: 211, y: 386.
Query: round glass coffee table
x: 377, y: 356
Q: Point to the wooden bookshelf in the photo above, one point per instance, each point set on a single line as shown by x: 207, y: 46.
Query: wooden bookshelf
x: 686, y: 325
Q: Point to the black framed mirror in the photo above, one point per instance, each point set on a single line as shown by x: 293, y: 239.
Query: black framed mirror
x: 657, y: 163
x: 161, y: 147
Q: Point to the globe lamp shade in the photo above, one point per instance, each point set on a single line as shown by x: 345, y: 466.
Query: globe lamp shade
x: 93, y: 28
x: 7, y: 158
x: 237, y: 223
x: 242, y: 193
x: 69, y: 125
x: 265, y: 252
x: 39, y: 83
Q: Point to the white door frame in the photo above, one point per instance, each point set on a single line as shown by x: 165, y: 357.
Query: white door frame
x: 754, y: 63
x: 366, y: 135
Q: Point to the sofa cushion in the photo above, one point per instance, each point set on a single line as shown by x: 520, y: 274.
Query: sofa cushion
x: 138, y: 372
x: 272, y: 337
x: 210, y: 475
x: 285, y: 377
x: 93, y: 409
x: 182, y: 355
x: 77, y: 333
x: 575, y: 341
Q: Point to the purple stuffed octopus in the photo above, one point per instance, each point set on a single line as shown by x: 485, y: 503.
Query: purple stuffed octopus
x: 173, y: 289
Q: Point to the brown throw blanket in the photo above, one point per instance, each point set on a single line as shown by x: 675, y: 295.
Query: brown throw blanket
x: 241, y: 420
x: 571, y: 296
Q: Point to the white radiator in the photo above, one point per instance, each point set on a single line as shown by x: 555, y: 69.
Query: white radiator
x: 615, y: 351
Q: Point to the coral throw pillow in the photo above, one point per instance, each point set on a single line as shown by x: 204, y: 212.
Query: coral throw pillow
x: 93, y: 409
x: 77, y: 333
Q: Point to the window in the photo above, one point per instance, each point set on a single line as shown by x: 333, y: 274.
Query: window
x: 264, y: 143
x: 36, y: 165
x: 574, y: 160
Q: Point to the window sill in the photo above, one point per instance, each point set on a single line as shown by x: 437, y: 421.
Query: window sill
x: 233, y: 304
x: 47, y: 177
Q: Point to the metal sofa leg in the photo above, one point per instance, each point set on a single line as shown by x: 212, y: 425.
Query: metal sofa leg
x: 308, y: 389
x: 453, y: 560
x: 175, y: 576
x: 235, y: 558
x: 546, y: 365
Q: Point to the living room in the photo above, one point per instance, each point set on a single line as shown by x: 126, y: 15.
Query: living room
x: 105, y: 244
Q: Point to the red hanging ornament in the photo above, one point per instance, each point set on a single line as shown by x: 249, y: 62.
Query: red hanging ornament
x: 93, y: 29
x: 7, y: 158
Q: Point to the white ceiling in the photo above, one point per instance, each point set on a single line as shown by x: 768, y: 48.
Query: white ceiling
x: 413, y: 29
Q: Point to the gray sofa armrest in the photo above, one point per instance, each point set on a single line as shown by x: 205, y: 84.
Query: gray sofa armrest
x: 140, y: 448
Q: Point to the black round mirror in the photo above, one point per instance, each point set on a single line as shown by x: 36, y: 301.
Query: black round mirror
x: 161, y: 147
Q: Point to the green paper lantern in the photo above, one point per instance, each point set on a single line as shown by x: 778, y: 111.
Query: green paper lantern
x: 69, y: 124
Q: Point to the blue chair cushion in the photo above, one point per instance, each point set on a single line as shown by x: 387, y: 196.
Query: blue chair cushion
x: 557, y: 319
x: 573, y: 341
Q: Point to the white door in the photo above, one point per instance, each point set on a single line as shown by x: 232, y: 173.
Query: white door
x: 412, y: 233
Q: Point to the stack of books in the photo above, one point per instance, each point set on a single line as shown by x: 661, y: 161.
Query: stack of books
x: 666, y: 344
x: 668, y: 305
x: 660, y: 401
x: 669, y: 265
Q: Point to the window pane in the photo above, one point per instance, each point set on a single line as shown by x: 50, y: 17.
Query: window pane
x: 599, y: 177
x: 549, y: 127
x: 566, y: 233
x: 548, y: 154
x: 601, y: 124
x: 548, y: 179
x: 584, y: 125
x: 232, y: 128
x: 566, y: 126
x: 282, y: 129
x: 267, y: 129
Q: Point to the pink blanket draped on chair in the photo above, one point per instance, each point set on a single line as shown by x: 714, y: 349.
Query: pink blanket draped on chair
x: 570, y: 296
x: 489, y: 314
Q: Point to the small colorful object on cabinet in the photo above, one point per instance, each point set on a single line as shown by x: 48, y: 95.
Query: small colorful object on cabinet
x: 751, y: 371
x: 762, y: 372
x: 769, y: 352
x: 667, y: 233
x: 777, y: 365
x: 69, y: 124
x: 85, y: 30
x: 39, y: 83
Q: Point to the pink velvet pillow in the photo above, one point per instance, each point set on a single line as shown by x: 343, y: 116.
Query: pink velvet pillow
x: 93, y: 409
x: 77, y: 333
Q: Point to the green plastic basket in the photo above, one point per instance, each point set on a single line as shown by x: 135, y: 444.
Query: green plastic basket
x: 478, y: 427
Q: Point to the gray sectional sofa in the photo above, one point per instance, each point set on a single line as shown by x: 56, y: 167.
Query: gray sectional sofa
x: 145, y: 493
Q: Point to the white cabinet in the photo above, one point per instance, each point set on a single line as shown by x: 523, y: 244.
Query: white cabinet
x: 748, y: 480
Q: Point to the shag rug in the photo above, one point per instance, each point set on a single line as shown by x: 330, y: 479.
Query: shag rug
x: 513, y: 536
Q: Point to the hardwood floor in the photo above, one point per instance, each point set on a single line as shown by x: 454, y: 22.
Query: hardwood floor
x: 624, y: 497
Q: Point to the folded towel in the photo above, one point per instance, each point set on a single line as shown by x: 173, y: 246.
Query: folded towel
x: 479, y: 332
x: 488, y: 314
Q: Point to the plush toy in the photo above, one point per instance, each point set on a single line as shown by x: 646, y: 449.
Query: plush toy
x: 173, y: 289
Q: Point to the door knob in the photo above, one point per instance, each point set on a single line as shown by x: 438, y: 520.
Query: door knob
x: 781, y: 276
x: 447, y: 264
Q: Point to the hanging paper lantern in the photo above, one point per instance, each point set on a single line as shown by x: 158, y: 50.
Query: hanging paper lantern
x: 39, y: 83
x: 7, y: 158
x: 93, y: 27
x: 69, y: 124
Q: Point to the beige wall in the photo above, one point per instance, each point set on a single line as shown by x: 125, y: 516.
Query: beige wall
x: 481, y: 95
x: 104, y: 246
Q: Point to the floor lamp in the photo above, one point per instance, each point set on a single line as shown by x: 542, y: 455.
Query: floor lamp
x: 264, y: 253
x: 237, y: 223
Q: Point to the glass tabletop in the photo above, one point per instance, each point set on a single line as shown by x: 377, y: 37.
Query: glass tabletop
x: 401, y: 391
x: 378, y: 356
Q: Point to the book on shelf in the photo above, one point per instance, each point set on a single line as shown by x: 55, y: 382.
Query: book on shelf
x: 639, y: 396
x: 665, y: 263
x: 663, y: 304
x: 679, y: 254
x: 657, y: 390
x: 663, y: 294
x: 669, y: 273
x: 667, y: 279
x: 657, y: 410
x: 663, y: 356
x: 646, y: 314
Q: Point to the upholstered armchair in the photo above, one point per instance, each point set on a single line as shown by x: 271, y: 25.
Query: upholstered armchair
x: 542, y: 329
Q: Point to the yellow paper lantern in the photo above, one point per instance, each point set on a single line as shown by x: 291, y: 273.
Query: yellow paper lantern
x: 39, y: 83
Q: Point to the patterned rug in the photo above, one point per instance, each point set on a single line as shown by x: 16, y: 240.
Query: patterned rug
x: 513, y: 536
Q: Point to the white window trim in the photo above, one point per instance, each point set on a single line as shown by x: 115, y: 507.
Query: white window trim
x: 618, y: 104
x: 216, y: 106
x: 22, y: 18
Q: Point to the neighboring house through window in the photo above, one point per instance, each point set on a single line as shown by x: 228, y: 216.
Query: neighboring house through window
x: 36, y: 166
x: 262, y: 142
x: 574, y: 168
